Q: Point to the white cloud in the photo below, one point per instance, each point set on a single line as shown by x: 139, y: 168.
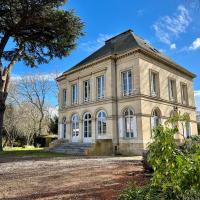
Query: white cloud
x: 173, y: 46
x: 168, y: 27
x: 195, y: 45
x: 49, y: 76
x: 140, y: 12
x: 53, y: 111
x: 93, y: 45
x: 197, y: 99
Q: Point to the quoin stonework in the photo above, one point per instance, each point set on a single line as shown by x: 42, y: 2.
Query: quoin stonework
x: 116, y: 96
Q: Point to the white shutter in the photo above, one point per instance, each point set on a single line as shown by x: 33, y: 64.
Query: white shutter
x: 135, y: 126
x: 60, y: 131
x: 190, y: 129
x: 152, y: 123
x: 120, y: 121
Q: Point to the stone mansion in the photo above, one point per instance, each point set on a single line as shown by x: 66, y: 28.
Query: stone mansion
x: 117, y: 95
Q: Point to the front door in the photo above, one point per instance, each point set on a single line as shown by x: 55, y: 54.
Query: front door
x: 75, y: 135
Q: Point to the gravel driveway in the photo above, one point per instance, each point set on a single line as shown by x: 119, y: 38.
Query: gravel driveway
x: 68, y: 177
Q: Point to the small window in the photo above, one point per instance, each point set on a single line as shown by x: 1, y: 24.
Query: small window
x: 154, y: 84
x: 172, y: 89
x: 64, y: 97
x: 74, y: 94
x: 100, y: 87
x: 86, y: 91
x: 184, y: 94
x: 127, y: 83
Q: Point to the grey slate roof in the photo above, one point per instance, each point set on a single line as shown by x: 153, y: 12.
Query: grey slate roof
x: 120, y: 44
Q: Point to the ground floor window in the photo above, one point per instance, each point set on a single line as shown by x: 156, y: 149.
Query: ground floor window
x: 155, y: 118
x: 87, y: 125
x: 101, y: 123
x: 75, y: 125
x: 129, y: 123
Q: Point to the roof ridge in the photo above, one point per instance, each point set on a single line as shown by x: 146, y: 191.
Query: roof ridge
x: 123, y: 33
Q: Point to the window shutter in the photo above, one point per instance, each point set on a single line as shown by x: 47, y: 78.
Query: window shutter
x: 135, y: 126
x: 60, y: 131
x: 121, y: 127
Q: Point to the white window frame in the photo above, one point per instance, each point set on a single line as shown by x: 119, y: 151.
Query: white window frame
x: 100, y: 88
x: 128, y: 83
x: 130, y: 125
x: 155, y: 119
x: 86, y: 91
x: 75, y: 94
x: 101, y: 123
x: 87, y: 133
x: 75, y: 125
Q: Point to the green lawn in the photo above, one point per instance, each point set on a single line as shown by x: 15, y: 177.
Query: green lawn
x: 29, y: 152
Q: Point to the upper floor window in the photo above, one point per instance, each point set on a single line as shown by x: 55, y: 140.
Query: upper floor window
x: 172, y: 89
x: 100, y: 87
x: 74, y: 94
x: 184, y: 94
x: 127, y: 82
x: 154, y: 84
x: 86, y: 90
x: 64, y: 97
x: 101, y: 123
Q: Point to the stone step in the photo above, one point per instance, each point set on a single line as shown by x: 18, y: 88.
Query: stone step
x: 71, y: 148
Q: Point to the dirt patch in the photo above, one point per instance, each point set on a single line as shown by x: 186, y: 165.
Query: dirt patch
x: 69, y: 178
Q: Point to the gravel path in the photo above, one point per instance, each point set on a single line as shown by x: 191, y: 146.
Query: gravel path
x: 68, y: 177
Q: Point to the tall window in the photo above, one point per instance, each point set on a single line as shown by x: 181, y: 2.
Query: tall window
x: 74, y: 94
x: 86, y: 90
x: 101, y: 123
x: 184, y: 94
x: 100, y: 87
x: 75, y: 125
x: 64, y: 97
x: 172, y: 89
x: 64, y: 127
x: 154, y: 84
x: 129, y: 123
x: 155, y: 118
x: 127, y: 82
x: 87, y: 125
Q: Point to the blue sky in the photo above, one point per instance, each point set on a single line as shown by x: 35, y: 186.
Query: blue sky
x: 172, y: 26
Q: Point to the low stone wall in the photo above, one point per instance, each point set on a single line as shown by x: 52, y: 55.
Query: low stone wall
x: 102, y: 147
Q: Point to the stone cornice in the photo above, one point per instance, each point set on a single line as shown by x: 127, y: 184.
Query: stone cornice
x: 126, y: 54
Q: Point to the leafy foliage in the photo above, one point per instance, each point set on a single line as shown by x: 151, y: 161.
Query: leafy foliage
x: 176, y: 167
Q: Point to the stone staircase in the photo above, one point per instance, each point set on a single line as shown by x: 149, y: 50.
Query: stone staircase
x: 75, y: 149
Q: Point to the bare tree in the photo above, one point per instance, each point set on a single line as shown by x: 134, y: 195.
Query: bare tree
x: 35, y: 90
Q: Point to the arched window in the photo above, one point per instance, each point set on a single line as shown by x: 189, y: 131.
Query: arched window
x: 101, y: 123
x: 75, y: 125
x: 64, y: 127
x: 155, y: 118
x: 87, y: 125
x: 129, y: 123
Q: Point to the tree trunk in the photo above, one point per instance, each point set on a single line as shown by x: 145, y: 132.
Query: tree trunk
x: 3, y: 96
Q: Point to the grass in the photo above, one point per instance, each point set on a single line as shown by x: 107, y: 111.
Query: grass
x: 29, y: 152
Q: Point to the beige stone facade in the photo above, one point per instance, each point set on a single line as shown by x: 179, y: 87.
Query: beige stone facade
x: 140, y: 63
